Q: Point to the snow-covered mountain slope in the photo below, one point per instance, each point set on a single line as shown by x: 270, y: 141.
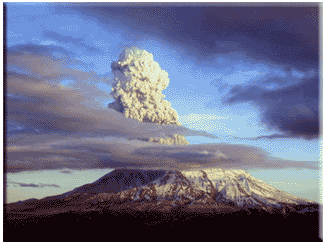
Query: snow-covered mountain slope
x: 165, y: 189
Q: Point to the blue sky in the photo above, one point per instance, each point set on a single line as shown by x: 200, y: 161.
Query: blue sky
x: 247, y: 75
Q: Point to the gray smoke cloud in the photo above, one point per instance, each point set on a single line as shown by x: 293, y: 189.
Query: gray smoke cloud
x: 137, y: 90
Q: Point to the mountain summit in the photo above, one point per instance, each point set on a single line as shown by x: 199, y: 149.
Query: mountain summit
x: 175, y: 194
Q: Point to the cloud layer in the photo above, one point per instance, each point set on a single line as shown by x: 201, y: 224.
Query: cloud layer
x: 269, y: 34
x: 55, y: 152
x: 293, y: 109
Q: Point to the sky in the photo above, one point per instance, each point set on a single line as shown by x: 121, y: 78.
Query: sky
x: 244, y: 81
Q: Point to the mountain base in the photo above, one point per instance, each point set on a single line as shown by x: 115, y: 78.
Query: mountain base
x: 151, y: 226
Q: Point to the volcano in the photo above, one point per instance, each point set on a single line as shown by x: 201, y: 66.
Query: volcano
x: 167, y: 205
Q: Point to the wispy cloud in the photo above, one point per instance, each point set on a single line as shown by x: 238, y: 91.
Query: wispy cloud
x: 70, y: 40
x: 35, y: 185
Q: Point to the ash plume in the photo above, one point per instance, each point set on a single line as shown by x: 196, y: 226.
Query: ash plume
x: 137, y: 90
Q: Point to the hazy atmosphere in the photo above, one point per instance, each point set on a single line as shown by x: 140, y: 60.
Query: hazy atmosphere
x: 233, y: 87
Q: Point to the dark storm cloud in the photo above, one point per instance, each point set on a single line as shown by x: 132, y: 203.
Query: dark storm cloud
x: 293, y: 109
x: 283, y: 35
x: 70, y: 39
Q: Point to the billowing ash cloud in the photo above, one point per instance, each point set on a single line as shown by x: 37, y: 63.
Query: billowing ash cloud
x: 137, y: 90
x: 36, y: 99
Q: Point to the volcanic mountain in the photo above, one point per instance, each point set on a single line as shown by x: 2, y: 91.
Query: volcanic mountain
x: 198, y: 202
